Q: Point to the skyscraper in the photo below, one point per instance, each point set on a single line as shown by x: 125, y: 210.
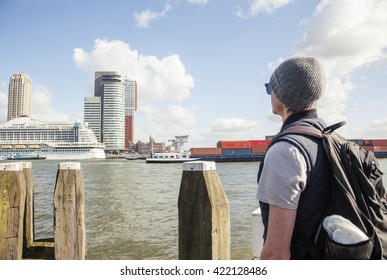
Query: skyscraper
x: 130, y: 108
x: 110, y: 112
x: 113, y: 114
x: 19, y: 96
x: 105, y: 112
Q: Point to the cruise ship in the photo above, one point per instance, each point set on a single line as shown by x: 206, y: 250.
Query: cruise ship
x: 54, y: 141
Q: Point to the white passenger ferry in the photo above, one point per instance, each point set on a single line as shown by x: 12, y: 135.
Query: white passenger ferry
x: 176, y: 153
x: 55, y: 141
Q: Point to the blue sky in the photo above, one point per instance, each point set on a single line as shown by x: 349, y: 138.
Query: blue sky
x: 200, y: 65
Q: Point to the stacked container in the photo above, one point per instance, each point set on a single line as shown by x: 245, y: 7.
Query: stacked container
x: 259, y: 147
x: 197, y: 152
x: 252, y: 149
x: 376, y: 145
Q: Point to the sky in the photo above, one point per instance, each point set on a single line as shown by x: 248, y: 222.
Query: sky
x: 200, y: 65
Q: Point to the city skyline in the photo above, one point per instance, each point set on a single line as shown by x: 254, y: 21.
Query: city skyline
x: 200, y: 66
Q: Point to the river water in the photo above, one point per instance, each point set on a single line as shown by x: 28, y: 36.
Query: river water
x: 131, y: 206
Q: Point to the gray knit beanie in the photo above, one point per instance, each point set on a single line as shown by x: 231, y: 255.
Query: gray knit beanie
x: 298, y: 82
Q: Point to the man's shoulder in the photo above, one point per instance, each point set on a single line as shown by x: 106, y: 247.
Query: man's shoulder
x: 283, y: 150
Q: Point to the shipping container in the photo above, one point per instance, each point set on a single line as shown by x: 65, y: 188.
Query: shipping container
x: 379, y: 142
x: 255, y: 143
x: 236, y: 152
x: 206, y: 151
x: 375, y: 142
x: 359, y: 142
x: 367, y: 142
x: 257, y: 150
x: 237, y: 144
x: 375, y: 148
x: 379, y: 148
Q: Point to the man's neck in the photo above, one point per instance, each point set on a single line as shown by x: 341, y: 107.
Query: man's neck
x: 307, y: 113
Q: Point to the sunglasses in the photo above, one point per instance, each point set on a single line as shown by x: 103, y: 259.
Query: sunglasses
x: 269, y: 90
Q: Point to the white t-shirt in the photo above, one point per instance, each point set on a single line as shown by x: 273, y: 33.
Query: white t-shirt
x: 283, y: 176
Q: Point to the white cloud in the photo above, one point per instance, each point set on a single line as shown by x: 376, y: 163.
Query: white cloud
x: 158, y: 78
x: 257, y: 7
x: 375, y: 129
x: 175, y: 120
x: 175, y: 117
x: 381, y: 123
x: 231, y: 129
x: 198, y: 2
x: 234, y: 125
x: 144, y: 18
x: 3, y: 102
x: 41, y: 107
x: 346, y: 35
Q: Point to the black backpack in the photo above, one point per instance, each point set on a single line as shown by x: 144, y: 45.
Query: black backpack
x: 357, y: 194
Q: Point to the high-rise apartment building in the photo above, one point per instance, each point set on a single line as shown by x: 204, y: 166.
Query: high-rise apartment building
x: 19, y: 96
x: 92, y: 114
x: 130, y: 108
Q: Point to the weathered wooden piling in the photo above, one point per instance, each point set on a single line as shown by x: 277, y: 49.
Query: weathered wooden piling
x: 69, y: 213
x: 12, y: 205
x: 204, y: 214
x: 28, y: 233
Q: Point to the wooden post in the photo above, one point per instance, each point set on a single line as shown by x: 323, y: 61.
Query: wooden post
x: 12, y: 203
x: 69, y: 213
x: 29, y: 207
x: 204, y: 214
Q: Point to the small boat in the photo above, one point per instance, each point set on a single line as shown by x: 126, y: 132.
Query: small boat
x: 132, y: 157
x: 24, y: 157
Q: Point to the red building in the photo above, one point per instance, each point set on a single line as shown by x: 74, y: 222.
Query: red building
x: 130, y: 108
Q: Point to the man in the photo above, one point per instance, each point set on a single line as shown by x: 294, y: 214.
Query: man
x: 293, y: 179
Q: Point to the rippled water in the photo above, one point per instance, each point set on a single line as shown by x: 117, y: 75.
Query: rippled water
x: 131, y: 206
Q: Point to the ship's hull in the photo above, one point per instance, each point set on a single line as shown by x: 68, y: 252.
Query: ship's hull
x: 58, y: 154
x: 175, y: 160
x: 27, y: 137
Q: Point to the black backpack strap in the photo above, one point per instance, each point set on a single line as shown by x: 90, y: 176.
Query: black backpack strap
x: 303, y: 130
x: 333, y: 127
x: 309, y: 130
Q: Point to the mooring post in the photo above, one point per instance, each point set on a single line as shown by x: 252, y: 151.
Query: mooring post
x: 12, y: 204
x: 28, y: 233
x: 204, y: 214
x: 257, y: 233
x: 69, y: 213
